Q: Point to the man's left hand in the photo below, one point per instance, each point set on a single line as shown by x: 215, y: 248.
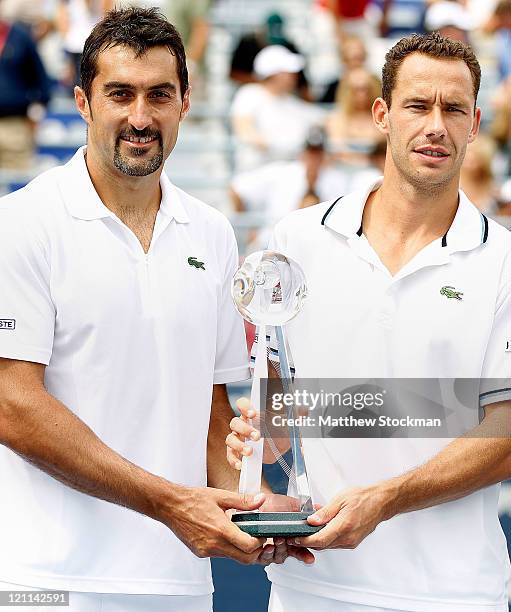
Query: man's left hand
x: 348, y: 518
x: 278, y: 551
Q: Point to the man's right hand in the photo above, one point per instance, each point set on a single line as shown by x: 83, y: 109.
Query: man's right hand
x: 241, y: 429
x: 200, y: 518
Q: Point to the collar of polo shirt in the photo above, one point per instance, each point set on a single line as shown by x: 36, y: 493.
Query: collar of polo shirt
x: 468, y: 230
x: 83, y: 201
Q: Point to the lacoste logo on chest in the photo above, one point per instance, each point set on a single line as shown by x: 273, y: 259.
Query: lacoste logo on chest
x: 451, y: 293
x: 196, y: 264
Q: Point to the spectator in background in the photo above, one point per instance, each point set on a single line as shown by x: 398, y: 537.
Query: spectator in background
x: 500, y: 127
x: 278, y: 188
x: 353, y: 56
x: 249, y: 45
x: 350, y: 127
x: 476, y: 179
x: 190, y: 18
x: 500, y: 25
x: 400, y: 17
x: 451, y: 19
x: 75, y: 20
x: 368, y: 175
x: 24, y: 91
x: 269, y: 122
x: 349, y: 16
x: 33, y: 14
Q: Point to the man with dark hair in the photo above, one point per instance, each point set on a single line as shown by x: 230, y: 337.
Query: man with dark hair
x: 407, y: 279
x: 115, y: 347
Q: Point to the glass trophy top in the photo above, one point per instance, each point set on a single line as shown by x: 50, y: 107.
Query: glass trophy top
x: 269, y: 288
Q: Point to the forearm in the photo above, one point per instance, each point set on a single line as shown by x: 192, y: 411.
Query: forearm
x: 466, y: 465
x: 47, y: 434
x: 220, y: 474
x: 480, y: 458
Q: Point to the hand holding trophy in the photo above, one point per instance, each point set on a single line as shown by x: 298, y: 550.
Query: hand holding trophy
x: 269, y: 290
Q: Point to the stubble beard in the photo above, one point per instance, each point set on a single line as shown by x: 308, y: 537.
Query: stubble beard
x: 421, y: 182
x: 144, y: 167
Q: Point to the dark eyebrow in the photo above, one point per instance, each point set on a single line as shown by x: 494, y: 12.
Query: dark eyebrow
x: 117, y: 85
x: 166, y: 85
x: 423, y: 100
x: 415, y: 99
x: 457, y: 103
x: 120, y: 85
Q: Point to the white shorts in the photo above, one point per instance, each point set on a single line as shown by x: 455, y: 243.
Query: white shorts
x: 283, y: 599
x: 116, y: 602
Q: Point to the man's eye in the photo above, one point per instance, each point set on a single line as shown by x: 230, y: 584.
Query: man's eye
x: 160, y: 94
x: 119, y: 94
x: 454, y: 109
x: 417, y: 106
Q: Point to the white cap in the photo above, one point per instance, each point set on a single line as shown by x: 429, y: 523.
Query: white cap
x: 447, y: 13
x: 275, y: 59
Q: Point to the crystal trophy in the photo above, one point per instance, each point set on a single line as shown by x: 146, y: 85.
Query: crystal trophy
x: 269, y: 290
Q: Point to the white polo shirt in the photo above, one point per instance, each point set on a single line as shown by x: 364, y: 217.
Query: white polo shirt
x: 133, y: 344
x: 359, y: 321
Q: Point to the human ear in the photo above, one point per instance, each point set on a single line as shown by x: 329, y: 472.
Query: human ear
x: 82, y: 104
x: 474, y: 130
x: 380, y: 112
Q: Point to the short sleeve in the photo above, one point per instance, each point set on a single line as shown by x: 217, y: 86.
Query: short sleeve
x: 496, y: 373
x: 231, y: 361
x: 27, y: 313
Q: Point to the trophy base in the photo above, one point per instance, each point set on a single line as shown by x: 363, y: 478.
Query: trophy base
x: 274, y: 524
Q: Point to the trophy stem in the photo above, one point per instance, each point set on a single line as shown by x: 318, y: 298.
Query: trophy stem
x: 299, y: 471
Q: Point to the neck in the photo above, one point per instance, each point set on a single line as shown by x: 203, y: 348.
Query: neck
x: 138, y: 196
x: 275, y: 90
x: 405, y: 212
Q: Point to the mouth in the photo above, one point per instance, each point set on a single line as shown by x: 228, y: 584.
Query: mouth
x: 139, y: 141
x: 432, y: 154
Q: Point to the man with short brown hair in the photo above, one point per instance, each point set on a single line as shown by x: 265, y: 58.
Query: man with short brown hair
x: 407, y: 279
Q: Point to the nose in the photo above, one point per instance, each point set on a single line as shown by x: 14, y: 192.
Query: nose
x: 435, y: 125
x: 140, y: 113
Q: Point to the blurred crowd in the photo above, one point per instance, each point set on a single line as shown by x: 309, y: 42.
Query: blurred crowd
x: 299, y: 111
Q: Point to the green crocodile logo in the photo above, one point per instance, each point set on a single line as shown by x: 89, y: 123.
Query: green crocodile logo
x: 451, y: 293
x: 196, y: 264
